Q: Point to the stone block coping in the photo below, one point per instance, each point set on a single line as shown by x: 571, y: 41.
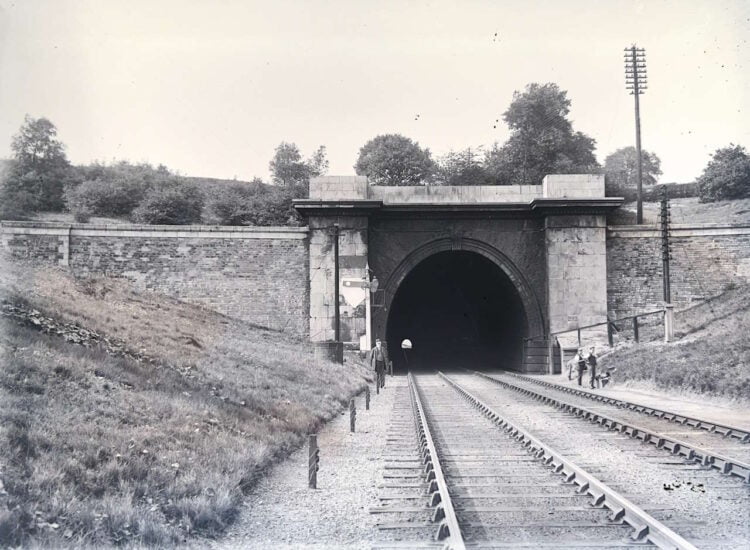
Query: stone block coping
x: 679, y: 230
x: 164, y: 231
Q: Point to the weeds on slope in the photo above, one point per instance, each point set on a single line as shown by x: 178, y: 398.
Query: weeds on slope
x: 711, y: 355
x: 97, y: 450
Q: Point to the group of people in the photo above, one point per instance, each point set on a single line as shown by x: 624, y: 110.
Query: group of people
x: 583, y: 362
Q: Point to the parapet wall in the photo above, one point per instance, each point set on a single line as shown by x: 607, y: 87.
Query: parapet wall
x: 556, y: 186
x: 258, y: 275
x: 706, y: 260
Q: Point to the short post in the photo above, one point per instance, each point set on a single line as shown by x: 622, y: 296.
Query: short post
x: 367, y: 397
x: 352, y: 415
x: 610, y: 335
x: 668, y: 322
x: 635, y: 329
x: 550, y: 355
x: 390, y: 368
x: 579, y: 337
x: 377, y: 383
x: 313, y: 461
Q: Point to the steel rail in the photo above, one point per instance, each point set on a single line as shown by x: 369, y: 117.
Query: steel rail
x: 712, y: 427
x: 448, y: 529
x: 645, y: 527
x: 724, y: 464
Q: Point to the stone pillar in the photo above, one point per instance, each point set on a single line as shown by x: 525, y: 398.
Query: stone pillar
x: 577, y: 270
x: 352, y: 272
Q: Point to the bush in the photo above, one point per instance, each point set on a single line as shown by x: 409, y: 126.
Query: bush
x: 242, y: 204
x: 118, y: 197
x: 651, y: 193
x: 727, y: 175
x: 15, y: 204
x: 171, y: 203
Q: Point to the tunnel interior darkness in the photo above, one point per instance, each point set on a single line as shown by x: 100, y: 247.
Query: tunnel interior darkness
x: 460, y: 310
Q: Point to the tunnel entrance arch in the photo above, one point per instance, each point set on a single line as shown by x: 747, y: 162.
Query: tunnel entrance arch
x: 548, y: 240
x: 461, y: 304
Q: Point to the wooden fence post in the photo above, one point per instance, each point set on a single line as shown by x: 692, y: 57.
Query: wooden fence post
x: 313, y: 461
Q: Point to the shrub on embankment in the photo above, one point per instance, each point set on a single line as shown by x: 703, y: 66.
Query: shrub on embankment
x: 154, y: 445
x: 711, y: 353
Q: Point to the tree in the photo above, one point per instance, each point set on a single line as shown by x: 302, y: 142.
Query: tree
x: 542, y: 139
x: 40, y: 169
x: 727, y: 175
x: 290, y: 170
x: 392, y: 159
x: 462, y: 168
x: 621, y: 167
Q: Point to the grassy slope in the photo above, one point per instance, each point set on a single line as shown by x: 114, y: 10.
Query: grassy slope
x: 711, y: 354
x: 99, y: 450
x: 687, y: 211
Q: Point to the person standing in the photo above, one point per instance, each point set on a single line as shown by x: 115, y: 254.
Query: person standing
x: 591, y: 361
x: 378, y: 360
x: 581, y: 365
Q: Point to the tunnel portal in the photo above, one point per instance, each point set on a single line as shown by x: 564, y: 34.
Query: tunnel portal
x: 459, y: 310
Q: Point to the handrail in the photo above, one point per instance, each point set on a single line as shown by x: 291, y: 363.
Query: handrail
x: 608, y: 322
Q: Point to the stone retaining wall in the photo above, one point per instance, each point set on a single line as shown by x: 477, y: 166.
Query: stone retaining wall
x: 255, y: 274
x: 706, y: 259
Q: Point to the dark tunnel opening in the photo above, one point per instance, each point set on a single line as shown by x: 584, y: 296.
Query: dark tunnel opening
x: 459, y: 310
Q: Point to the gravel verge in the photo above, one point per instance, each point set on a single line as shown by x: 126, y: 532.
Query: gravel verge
x: 283, y: 513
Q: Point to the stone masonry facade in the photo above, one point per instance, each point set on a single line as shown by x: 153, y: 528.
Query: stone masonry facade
x: 706, y: 260
x: 258, y: 275
x: 576, y: 269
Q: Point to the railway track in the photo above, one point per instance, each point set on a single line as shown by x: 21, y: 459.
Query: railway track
x: 716, y: 428
x: 459, y: 475
x: 722, y: 448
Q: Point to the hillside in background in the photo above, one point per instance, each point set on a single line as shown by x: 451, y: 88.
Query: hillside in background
x: 711, y: 354
x: 687, y: 211
x: 129, y: 418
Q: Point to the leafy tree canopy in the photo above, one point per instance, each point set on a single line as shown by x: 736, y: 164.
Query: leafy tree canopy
x: 40, y: 169
x: 542, y: 139
x: 727, y: 175
x: 290, y: 170
x: 621, y: 167
x: 393, y: 159
x: 462, y: 168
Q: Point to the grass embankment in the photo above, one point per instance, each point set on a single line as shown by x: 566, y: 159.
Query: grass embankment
x: 686, y: 211
x: 711, y: 354
x: 98, y: 450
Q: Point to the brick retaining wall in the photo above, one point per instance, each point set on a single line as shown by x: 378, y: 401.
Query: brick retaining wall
x: 255, y: 274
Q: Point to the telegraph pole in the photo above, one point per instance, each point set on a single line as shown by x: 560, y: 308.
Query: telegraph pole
x: 336, y: 314
x: 665, y: 257
x: 636, y: 81
x: 665, y: 251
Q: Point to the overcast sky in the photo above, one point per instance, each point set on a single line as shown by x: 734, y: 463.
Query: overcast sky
x: 210, y: 88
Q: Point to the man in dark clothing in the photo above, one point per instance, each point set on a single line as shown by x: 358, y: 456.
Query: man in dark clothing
x: 591, y: 360
x: 378, y: 360
x: 581, y: 366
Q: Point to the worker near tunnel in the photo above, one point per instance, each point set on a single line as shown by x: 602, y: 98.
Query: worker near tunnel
x: 378, y: 360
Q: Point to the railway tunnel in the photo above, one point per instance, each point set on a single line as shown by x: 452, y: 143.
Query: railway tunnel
x: 459, y: 310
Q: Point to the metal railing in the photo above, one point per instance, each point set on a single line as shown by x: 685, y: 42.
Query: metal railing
x: 613, y: 326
